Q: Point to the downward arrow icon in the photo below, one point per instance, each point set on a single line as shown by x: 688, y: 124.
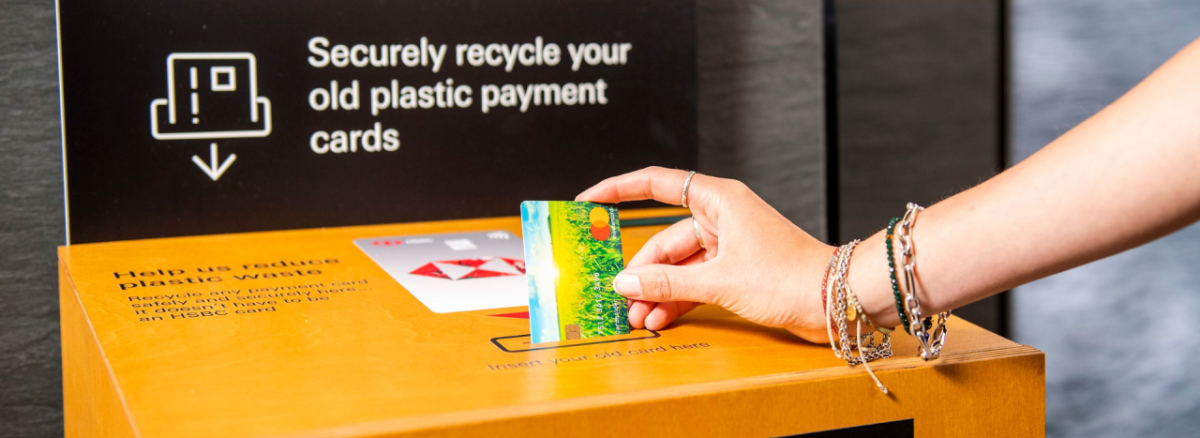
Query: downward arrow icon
x: 214, y: 170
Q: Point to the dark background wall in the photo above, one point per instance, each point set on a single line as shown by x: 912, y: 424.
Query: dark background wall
x: 761, y: 120
x: 1104, y: 377
x: 923, y: 115
x: 761, y: 78
x: 920, y: 111
x: 31, y: 221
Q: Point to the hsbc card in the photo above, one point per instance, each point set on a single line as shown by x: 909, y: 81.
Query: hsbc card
x: 455, y: 272
x: 573, y: 251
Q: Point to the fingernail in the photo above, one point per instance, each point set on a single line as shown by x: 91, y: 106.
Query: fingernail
x: 628, y: 286
x: 583, y: 196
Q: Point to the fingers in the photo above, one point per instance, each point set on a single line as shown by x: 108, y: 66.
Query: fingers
x: 657, y: 183
x: 668, y: 247
x: 666, y: 185
x: 676, y: 245
x: 638, y: 311
x: 665, y: 313
x: 660, y: 283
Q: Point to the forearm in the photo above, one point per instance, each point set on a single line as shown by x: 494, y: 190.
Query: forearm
x: 1126, y: 176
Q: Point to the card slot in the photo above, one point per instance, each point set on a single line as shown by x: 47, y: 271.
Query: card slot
x: 520, y: 343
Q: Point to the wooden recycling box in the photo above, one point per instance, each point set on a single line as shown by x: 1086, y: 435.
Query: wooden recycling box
x: 359, y: 356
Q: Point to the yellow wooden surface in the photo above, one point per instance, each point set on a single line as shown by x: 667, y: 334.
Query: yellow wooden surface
x: 376, y: 362
x: 91, y: 406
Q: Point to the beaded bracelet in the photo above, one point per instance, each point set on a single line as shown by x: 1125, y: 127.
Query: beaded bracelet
x: 825, y: 280
x: 829, y: 300
x: 838, y: 310
x: 852, y: 300
x: 931, y: 345
x: 848, y: 303
x: 891, y: 228
x: 835, y: 307
x: 867, y: 350
x: 833, y: 260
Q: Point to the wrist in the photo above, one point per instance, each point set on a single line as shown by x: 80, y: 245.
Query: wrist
x: 868, y: 278
x: 809, y: 318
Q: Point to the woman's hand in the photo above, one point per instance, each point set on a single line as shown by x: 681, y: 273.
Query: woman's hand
x: 757, y: 264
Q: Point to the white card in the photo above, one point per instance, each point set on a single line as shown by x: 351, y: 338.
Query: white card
x: 455, y: 272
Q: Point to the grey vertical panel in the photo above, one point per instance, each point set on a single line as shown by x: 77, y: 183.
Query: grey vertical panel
x: 31, y: 221
x: 919, y: 107
x: 761, y: 108
x: 1118, y: 333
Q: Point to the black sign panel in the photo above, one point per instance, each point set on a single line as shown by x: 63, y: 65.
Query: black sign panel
x: 200, y: 117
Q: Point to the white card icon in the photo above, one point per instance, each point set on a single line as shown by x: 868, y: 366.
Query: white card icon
x: 461, y: 244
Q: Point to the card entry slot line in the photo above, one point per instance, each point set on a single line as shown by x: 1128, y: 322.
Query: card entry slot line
x: 497, y: 342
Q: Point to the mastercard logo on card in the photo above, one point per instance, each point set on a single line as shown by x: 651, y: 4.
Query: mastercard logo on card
x: 599, y: 217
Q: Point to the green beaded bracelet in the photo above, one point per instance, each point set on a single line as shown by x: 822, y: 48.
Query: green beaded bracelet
x: 891, y: 228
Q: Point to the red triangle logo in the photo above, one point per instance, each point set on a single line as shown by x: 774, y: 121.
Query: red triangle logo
x: 519, y: 315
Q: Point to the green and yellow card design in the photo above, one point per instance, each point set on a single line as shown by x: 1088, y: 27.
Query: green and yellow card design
x: 572, y: 254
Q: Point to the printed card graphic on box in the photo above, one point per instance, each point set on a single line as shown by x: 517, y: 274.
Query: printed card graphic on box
x: 455, y: 272
x: 211, y: 95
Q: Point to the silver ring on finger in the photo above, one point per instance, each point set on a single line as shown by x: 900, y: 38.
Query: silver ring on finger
x: 687, y: 183
x: 696, y: 227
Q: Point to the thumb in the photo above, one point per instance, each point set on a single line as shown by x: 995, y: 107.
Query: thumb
x: 661, y: 283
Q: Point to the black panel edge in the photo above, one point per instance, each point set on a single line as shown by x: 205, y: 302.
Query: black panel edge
x: 832, y: 181
x: 62, y: 126
x: 1003, y: 130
